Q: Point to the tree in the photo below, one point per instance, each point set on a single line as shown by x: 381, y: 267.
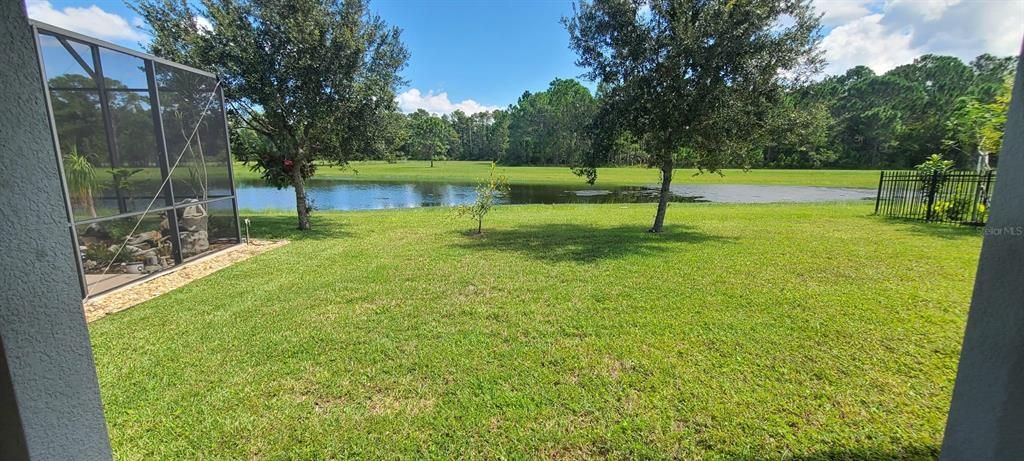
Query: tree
x: 463, y: 125
x: 315, y: 78
x: 694, y: 74
x: 976, y: 128
x: 394, y: 134
x: 496, y: 139
x: 937, y: 82
x: 798, y: 134
x: 871, y: 119
x: 481, y: 136
x: 486, y: 194
x: 430, y: 137
x: 626, y: 149
x: 935, y: 104
x: 550, y: 127
x: 990, y: 76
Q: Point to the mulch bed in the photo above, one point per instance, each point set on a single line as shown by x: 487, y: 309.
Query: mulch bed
x: 137, y: 293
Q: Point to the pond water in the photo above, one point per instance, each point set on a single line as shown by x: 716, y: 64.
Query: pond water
x: 360, y: 195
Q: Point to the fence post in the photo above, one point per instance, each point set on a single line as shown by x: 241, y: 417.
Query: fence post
x: 878, y: 198
x: 988, y: 186
x: 932, y: 189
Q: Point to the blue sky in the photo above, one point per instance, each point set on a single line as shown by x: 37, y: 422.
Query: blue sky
x: 479, y: 55
x: 487, y: 51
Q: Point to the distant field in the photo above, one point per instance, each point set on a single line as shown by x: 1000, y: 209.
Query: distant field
x: 616, y: 176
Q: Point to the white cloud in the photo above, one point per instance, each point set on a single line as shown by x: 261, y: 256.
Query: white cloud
x: 836, y: 12
x: 204, y: 24
x: 91, y: 20
x: 928, y: 10
x: 894, y: 33
x: 866, y: 42
x: 438, y: 104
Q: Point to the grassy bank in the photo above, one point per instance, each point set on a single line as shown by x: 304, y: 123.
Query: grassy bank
x: 470, y: 172
x: 743, y: 332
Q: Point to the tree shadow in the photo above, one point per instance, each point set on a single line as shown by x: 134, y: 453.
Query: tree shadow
x: 277, y: 227
x: 936, y: 229
x: 585, y: 244
x: 906, y: 453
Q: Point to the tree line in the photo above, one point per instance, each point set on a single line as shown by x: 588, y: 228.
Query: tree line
x: 934, y: 105
x: 550, y: 127
x: 709, y: 84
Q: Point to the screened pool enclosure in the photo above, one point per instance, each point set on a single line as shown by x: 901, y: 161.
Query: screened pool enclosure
x: 143, y: 150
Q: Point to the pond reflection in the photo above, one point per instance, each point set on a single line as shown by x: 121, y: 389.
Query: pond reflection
x: 360, y: 195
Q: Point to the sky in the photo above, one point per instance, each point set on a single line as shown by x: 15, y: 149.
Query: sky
x: 482, y: 55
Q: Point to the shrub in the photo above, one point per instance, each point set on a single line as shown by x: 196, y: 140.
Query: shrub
x: 955, y: 209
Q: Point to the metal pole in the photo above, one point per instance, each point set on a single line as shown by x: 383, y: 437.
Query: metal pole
x: 165, y: 169
x: 231, y: 162
x: 60, y: 165
x: 931, y: 195
x: 108, y: 126
x: 878, y: 198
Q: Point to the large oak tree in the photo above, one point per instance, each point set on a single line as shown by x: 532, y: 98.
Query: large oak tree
x: 699, y: 76
x: 314, y: 77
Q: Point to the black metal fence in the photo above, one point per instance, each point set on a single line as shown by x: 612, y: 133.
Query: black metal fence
x: 959, y: 197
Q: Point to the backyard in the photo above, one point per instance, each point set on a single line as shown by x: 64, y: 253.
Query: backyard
x: 556, y: 230
x: 799, y: 331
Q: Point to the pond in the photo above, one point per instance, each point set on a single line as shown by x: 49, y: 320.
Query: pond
x: 365, y: 195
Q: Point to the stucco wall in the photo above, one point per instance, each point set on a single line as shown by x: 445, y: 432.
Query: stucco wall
x: 986, y: 418
x: 49, y: 397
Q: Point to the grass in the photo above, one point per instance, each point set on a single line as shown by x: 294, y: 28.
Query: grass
x: 565, y: 332
x: 471, y: 172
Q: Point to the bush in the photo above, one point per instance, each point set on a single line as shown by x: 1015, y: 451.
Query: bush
x: 959, y: 208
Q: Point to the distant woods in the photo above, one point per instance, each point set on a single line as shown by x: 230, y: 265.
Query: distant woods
x: 935, y: 105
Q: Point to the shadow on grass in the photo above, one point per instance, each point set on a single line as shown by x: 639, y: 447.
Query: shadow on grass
x: 918, y: 452
x: 285, y: 227
x: 935, y: 229
x: 584, y: 244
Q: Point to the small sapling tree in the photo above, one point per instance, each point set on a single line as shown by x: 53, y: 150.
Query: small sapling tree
x: 486, y: 194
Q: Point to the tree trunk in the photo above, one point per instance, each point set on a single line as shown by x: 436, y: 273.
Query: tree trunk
x: 90, y: 203
x: 300, y: 195
x: 480, y: 225
x: 666, y: 183
x: 431, y: 161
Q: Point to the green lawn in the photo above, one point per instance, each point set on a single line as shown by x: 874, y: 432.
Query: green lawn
x: 618, y: 176
x: 743, y: 332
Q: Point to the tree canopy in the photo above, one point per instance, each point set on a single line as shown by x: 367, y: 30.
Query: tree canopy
x: 551, y: 127
x: 934, y: 105
x: 691, y: 74
x: 315, y: 78
x: 429, y: 137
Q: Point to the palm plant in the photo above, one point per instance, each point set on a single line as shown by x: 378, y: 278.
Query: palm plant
x: 81, y: 180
